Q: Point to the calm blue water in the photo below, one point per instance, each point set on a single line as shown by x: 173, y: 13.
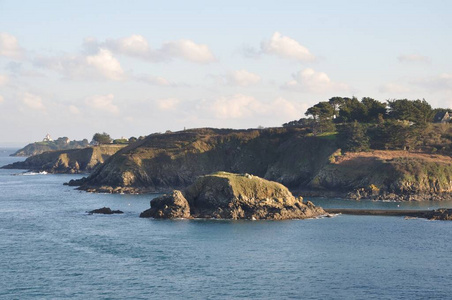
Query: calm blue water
x: 51, y: 249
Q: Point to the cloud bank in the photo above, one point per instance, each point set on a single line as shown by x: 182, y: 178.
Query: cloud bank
x: 137, y: 46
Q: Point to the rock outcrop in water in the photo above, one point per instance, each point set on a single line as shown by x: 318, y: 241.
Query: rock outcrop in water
x: 105, y: 211
x: 67, y: 161
x: 232, y: 196
x: 444, y: 214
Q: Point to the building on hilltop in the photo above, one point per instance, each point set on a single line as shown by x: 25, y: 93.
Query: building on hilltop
x: 47, y: 138
x: 442, y: 117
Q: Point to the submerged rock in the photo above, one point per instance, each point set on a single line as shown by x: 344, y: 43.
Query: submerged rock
x: 105, y: 211
x: 232, y: 196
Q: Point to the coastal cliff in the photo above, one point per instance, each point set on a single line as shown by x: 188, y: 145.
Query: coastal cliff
x: 225, y: 195
x: 307, y: 164
x: 390, y: 175
x: 45, y: 146
x: 67, y: 161
x: 163, y: 162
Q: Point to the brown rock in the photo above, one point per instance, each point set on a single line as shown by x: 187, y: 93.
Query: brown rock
x: 168, y: 206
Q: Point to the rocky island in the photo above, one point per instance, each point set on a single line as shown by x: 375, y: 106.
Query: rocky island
x: 225, y: 195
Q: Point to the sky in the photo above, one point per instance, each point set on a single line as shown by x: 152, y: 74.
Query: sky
x: 132, y: 68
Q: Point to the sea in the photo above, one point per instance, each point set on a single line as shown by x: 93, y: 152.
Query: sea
x: 51, y: 248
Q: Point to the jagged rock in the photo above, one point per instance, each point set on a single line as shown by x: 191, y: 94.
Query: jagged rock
x: 233, y: 196
x: 169, y: 206
x: 441, y: 214
x: 105, y: 211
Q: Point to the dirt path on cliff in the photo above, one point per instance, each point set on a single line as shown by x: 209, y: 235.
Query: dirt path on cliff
x: 391, y: 154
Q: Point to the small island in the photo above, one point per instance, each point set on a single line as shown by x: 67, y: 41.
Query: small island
x: 225, y: 195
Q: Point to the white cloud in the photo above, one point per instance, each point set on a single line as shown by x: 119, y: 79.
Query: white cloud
x: 138, y: 47
x: 74, y: 109
x: 3, y: 79
x: 9, y: 46
x: 2, y: 99
x: 188, y: 50
x: 407, y: 58
x: 242, y: 78
x: 394, y: 88
x: 100, y: 65
x: 311, y: 81
x: 103, y: 103
x: 106, y: 64
x: 286, y: 47
x: 167, y: 104
x: 33, y: 101
x: 154, y: 80
x: 135, y: 45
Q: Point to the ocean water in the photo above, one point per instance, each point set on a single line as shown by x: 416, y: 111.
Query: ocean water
x: 51, y: 249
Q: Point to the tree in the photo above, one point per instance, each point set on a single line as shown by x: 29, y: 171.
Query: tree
x: 353, y: 137
x: 352, y: 110
x: 102, y: 138
x: 417, y: 111
x: 374, y: 108
x: 322, y: 110
x: 336, y: 103
x: 322, y: 113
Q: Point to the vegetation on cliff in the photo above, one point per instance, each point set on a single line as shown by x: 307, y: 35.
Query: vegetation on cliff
x: 61, y: 143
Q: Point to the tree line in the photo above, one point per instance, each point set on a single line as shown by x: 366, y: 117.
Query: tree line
x: 366, y: 124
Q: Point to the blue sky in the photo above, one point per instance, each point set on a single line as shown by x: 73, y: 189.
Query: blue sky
x: 131, y: 68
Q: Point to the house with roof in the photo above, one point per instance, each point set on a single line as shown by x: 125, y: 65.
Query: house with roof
x: 442, y: 117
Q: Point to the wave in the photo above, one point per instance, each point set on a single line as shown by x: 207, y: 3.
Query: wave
x: 34, y: 173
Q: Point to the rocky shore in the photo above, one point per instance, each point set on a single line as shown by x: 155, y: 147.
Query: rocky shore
x: 67, y: 161
x: 225, y: 195
x: 438, y: 214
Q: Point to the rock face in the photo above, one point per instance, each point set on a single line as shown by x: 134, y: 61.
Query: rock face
x: 388, y: 175
x: 105, y: 211
x: 232, y: 196
x: 169, y: 206
x: 441, y: 214
x: 67, y: 161
x: 164, y: 162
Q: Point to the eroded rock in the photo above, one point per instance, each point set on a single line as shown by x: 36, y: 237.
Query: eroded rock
x: 168, y: 206
x: 232, y: 196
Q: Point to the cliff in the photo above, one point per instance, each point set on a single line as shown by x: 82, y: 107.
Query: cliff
x: 232, y: 196
x: 41, y: 147
x: 312, y: 165
x: 393, y: 175
x: 162, y: 162
x: 67, y: 161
